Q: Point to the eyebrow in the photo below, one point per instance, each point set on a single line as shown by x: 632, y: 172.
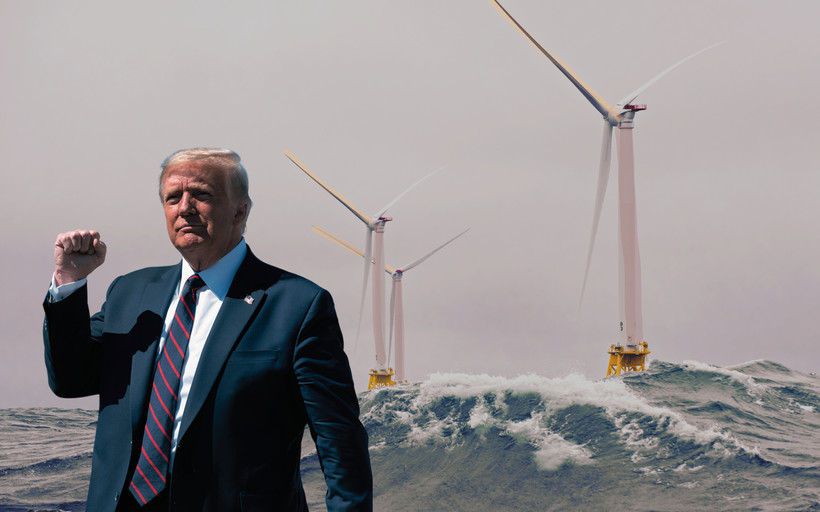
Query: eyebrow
x: 194, y: 185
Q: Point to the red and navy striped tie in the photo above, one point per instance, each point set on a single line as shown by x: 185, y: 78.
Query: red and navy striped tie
x: 152, y: 468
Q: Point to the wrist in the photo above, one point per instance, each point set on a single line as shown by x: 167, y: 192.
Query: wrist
x: 62, y: 277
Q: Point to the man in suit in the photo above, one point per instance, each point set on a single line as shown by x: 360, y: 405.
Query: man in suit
x: 205, y: 388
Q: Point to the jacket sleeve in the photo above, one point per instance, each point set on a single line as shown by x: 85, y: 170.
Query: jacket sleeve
x: 72, y: 349
x: 326, y: 385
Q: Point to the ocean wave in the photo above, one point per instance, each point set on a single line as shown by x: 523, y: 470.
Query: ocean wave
x: 57, y: 465
x: 545, y: 414
x: 688, y: 429
x: 676, y: 437
x: 744, y: 379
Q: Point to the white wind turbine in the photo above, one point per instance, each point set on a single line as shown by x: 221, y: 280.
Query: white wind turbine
x: 375, y: 243
x: 620, y: 115
x: 396, y: 302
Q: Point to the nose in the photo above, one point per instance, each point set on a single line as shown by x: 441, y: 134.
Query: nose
x: 186, y: 204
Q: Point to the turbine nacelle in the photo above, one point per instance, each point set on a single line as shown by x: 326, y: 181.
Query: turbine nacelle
x: 378, y: 225
x: 626, y: 114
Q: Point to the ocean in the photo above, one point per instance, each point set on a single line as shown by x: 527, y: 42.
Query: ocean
x: 678, y: 437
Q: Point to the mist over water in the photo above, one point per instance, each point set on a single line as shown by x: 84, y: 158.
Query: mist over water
x: 678, y: 437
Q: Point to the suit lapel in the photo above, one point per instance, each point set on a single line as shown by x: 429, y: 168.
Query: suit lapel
x: 156, y: 298
x: 244, y: 298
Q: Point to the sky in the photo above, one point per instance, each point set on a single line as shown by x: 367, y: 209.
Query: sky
x: 371, y: 96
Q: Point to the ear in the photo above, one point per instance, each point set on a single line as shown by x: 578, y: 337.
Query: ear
x: 240, y: 214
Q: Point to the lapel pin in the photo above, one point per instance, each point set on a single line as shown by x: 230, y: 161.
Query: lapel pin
x: 249, y: 299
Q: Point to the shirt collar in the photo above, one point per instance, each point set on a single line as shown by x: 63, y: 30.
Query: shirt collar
x: 219, y: 276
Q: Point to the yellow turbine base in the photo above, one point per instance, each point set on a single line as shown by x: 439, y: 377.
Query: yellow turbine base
x: 629, y: 359
x: 381, y: 379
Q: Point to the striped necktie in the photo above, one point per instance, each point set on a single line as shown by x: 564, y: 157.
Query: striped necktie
x: 152, y: 468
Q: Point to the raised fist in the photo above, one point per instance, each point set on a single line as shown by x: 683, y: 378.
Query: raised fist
x: 77, y: 254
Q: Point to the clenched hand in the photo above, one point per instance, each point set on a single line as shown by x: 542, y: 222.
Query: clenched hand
x: 77, y: 254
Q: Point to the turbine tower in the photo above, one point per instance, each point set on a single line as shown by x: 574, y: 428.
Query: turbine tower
x: 396, y: 302
x: 374, y: 242
x: 629, y: 354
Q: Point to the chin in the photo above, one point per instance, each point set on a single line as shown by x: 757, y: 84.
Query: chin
x: 188, y: 242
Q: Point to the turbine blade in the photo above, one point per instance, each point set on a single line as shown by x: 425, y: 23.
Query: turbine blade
x: 350, y: 206
x: 600, y: 104
x: 387, y: 268
x: 603, y: 179
x: 634, y: 94
x: 420, y: 260
x: 317, y: 229
x: 367, y: 262
x: 394, y: 201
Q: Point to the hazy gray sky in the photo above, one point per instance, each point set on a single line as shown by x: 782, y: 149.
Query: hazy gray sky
x: 372, y: 95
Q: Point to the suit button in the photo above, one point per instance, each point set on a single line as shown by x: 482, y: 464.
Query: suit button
x: 116, y: 496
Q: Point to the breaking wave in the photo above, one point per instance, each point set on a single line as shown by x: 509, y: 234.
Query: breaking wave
x: 677, y: 437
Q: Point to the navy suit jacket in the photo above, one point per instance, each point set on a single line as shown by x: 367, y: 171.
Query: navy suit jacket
x: 273, y: 362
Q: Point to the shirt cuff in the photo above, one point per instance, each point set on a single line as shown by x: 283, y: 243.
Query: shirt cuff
x: 58, y: 293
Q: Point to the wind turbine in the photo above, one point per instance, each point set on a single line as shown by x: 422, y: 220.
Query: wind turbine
x: 620, y: 115
x: 374, y: 243
x: 396, y: 302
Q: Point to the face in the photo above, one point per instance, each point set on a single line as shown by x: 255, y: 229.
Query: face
x: 203, y: 218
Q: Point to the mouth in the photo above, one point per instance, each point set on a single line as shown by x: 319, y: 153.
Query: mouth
x: 189, y: 228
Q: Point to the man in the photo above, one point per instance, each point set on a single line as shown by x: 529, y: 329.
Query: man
x: 207, y: 371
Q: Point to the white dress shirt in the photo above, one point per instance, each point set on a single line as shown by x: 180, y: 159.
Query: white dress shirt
x: 218, y: 278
